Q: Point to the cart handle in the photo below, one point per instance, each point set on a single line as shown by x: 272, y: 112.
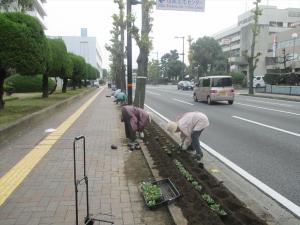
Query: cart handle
x: 79, y: 137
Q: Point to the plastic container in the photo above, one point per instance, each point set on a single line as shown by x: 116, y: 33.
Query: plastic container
x: 168, y: 190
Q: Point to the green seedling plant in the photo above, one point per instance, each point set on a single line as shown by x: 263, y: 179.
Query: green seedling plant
x: 152, y: 193
x: 206, y: 197
x: 213, y: 205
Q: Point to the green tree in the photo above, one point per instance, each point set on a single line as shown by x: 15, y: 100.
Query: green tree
x: 253, y: 58
x: 238, y: 78
x: 153, y: 70
x: 67, y: 72
x: 171, y: 66
x: 22, y: 5
x: 79, y: 69
x: 116, y: 48
x: 144, y: 43
x: 207, y: 56
x: 59, y: 59
x: 23, y: 47
x: 105, y: 74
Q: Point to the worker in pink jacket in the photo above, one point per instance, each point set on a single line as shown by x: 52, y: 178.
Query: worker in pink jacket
x: 190, y: 125
x: 135, y: 120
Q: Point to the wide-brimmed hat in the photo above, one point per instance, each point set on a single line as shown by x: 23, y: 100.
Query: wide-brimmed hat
x: 172, y: 126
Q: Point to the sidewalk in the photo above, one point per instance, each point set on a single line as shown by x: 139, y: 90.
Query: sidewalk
x: 46, y: 195
x: 269, y: 95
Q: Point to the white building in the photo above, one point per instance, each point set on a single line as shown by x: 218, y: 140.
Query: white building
x: 237, y: 39
x: 85, y: 46
x: 37, y: 11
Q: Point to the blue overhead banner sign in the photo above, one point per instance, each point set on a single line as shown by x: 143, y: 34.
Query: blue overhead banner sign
x: 181, y: 5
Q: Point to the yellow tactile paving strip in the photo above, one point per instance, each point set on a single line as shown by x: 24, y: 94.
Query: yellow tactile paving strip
x: 15, y: 176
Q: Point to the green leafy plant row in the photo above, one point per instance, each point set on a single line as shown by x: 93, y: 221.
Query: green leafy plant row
x: 213, y: 205
x: 152, y: 193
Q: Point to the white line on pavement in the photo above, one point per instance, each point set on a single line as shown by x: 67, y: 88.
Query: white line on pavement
x: 165, y: 118
x: 178, y: 100
x: 265, y: 125
x: 271, y: 103
x: 266, y: 189
x: 152, y: 93
x: 275, y: 110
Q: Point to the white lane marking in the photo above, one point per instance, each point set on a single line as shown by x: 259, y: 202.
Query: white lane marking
x: 268, y: 99
x: 152, y: 93
x: 171, y: 91
x: 165, y: 118
x: 271, y: 103
x: 275, y: 110
x: 268, y: 126
x: 266, y: 189
x: 178, y: 100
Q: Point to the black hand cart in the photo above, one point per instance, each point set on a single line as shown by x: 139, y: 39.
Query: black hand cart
x: 88, y: 220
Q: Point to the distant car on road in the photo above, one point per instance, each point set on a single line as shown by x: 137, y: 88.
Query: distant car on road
x: 185, y: 85
x: 258, y: 81
x: 214, y: 88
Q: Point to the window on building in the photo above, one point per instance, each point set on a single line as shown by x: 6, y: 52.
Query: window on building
x: 294, y: 14
x: 275, y: 24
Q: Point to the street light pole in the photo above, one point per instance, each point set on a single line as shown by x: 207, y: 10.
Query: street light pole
x: 294, y: 36
x: 182, y: 55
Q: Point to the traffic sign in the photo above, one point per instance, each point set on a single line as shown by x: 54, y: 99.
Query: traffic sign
x: 181, y: 5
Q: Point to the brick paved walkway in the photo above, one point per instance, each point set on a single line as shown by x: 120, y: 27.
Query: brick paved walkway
x: 46, y: 196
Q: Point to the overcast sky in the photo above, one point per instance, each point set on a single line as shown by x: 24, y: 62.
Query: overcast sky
x: 66, y: 17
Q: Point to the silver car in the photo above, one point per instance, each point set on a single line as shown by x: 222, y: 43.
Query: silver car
x: 214, y: 88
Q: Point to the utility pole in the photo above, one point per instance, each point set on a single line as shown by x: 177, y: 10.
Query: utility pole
x: 129, y: 54
x: 182, y: 55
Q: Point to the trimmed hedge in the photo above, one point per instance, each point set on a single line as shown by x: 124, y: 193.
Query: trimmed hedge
x: 23, y: 84
x: 238, y: 78
x: 288, y: 78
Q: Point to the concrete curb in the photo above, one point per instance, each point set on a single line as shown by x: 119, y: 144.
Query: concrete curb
x: 273, y: 97
x: 174, y: 210
x: 8, y: 131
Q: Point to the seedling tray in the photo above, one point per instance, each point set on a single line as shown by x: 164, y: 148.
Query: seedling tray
x: 168, y: 190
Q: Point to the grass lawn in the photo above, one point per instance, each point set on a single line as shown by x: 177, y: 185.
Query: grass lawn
x: 23, y: 104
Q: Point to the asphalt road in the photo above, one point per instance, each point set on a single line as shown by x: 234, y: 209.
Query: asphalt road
x: 262, y: 136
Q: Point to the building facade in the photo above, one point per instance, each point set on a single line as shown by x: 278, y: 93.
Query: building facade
x: 236, y: 40
x: 85, y: 46
x: 37, y: 10
x: 284, y: 51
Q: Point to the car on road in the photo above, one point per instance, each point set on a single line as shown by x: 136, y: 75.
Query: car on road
x: 185, y: 85
x: 258, y: 81
x: 214, y: 88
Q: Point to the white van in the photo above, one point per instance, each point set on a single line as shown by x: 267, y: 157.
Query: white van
x: 214, y: 88
x: 258, y: 81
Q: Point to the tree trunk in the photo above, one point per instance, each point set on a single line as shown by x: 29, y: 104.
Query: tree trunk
x: 2, y: 77
x: 73, y: 83
x: 64, y: 86
x: 45, y: 85
x: 251, y: 66
x: 142, y: 60
x: 54, y: 88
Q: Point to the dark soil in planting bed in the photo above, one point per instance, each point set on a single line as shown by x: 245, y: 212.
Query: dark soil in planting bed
x: 164, y: 151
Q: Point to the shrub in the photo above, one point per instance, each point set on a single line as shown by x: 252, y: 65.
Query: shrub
x: 23, y: 84
x: 238, y: 78
x: 272, y: 78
